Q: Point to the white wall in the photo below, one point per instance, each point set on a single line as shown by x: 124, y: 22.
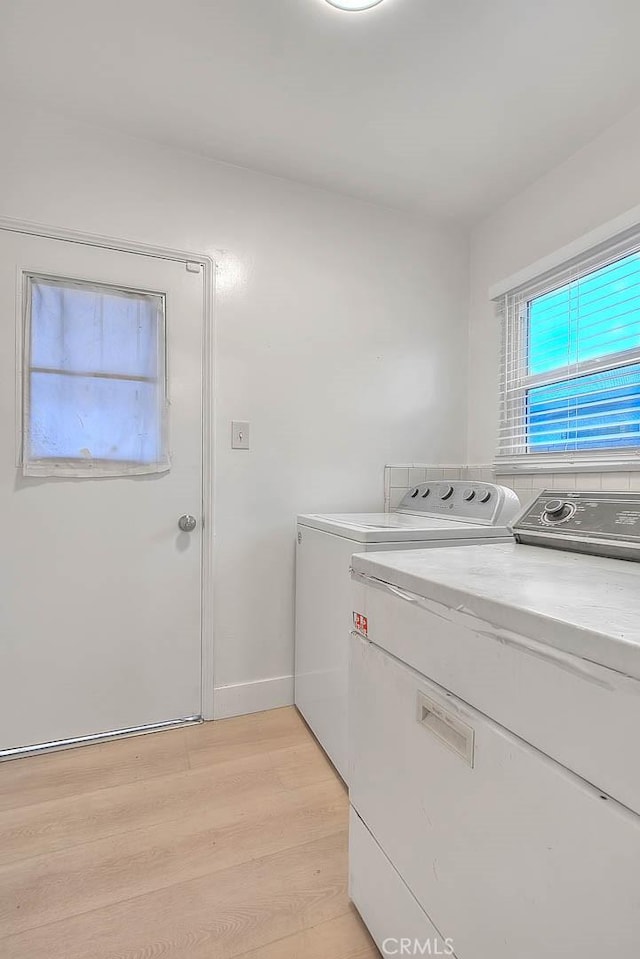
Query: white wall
x: 340, y: 341
x: 595, y: 185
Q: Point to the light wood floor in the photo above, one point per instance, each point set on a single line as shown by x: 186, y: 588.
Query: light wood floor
x: 210, y: 842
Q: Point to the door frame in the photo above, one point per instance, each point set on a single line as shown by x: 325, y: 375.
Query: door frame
x: 208, y: 264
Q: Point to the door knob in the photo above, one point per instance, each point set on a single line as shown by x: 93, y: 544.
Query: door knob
x: 187, y: 523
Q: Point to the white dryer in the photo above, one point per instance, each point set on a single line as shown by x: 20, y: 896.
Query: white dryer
x: 431, y: 515
x: 494, y: 711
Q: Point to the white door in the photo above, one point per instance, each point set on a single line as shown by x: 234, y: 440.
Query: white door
x: 101, y: 454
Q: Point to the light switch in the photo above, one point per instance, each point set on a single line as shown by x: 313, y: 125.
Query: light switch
x: 239, y: 435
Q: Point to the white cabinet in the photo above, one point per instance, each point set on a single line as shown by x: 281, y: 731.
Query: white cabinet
x: 505, y: 850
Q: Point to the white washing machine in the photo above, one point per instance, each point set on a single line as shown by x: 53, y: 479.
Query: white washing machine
x: 431, y: 515
x: 494, y: 715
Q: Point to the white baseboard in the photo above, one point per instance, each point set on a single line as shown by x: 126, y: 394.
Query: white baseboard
x: 242, y: 698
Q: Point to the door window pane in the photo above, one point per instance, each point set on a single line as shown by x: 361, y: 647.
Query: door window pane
x: 94, y: 380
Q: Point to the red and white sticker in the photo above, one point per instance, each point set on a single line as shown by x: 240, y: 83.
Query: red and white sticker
x: 361, y: 624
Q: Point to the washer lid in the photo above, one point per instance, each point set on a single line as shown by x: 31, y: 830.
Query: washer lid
x: 398, y: 527
x: 586, y: 606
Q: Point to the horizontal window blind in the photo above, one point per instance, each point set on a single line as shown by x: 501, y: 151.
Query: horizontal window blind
x: 570, y: 361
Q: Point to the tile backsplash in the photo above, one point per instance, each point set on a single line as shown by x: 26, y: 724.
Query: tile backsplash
x: 401, y: 478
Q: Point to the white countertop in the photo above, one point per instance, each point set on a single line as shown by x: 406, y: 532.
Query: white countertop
x: 583, y: 605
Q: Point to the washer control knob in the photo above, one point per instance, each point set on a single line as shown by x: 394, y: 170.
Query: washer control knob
x: 414, y: 493
x: 556, y: 509
x: 426, y: 493
x: 468, y: 495
x: 485, y: 496
x: 446, y: 492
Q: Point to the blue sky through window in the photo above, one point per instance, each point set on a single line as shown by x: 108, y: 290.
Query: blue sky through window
x: 590, y: 412
x: 595, y: 316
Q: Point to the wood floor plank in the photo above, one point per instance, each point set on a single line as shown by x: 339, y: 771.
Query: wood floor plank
x: 245, y: 736
x: 260, y: 727
x: 37, y: 891
x: 302, y: 765
x: 216, y: 841
x: 51, y: 826
x: 222, y: 915
x: 345, y: 937
x: 70, y: 772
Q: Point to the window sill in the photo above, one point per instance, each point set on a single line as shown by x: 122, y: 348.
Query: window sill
x: 567, y: 463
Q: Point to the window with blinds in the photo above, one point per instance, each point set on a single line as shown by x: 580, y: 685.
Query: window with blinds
x: 571, y: 362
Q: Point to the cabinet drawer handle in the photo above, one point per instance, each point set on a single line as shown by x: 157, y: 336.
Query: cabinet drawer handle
x: 446, y: 727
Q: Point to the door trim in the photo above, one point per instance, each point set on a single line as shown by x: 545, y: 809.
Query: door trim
x: 209, y: 265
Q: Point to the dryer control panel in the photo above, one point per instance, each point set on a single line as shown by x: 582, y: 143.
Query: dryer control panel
x: 463, y: 500
x: 604, y: 524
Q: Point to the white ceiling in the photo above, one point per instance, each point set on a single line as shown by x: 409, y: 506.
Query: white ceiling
x: 442, y: 107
